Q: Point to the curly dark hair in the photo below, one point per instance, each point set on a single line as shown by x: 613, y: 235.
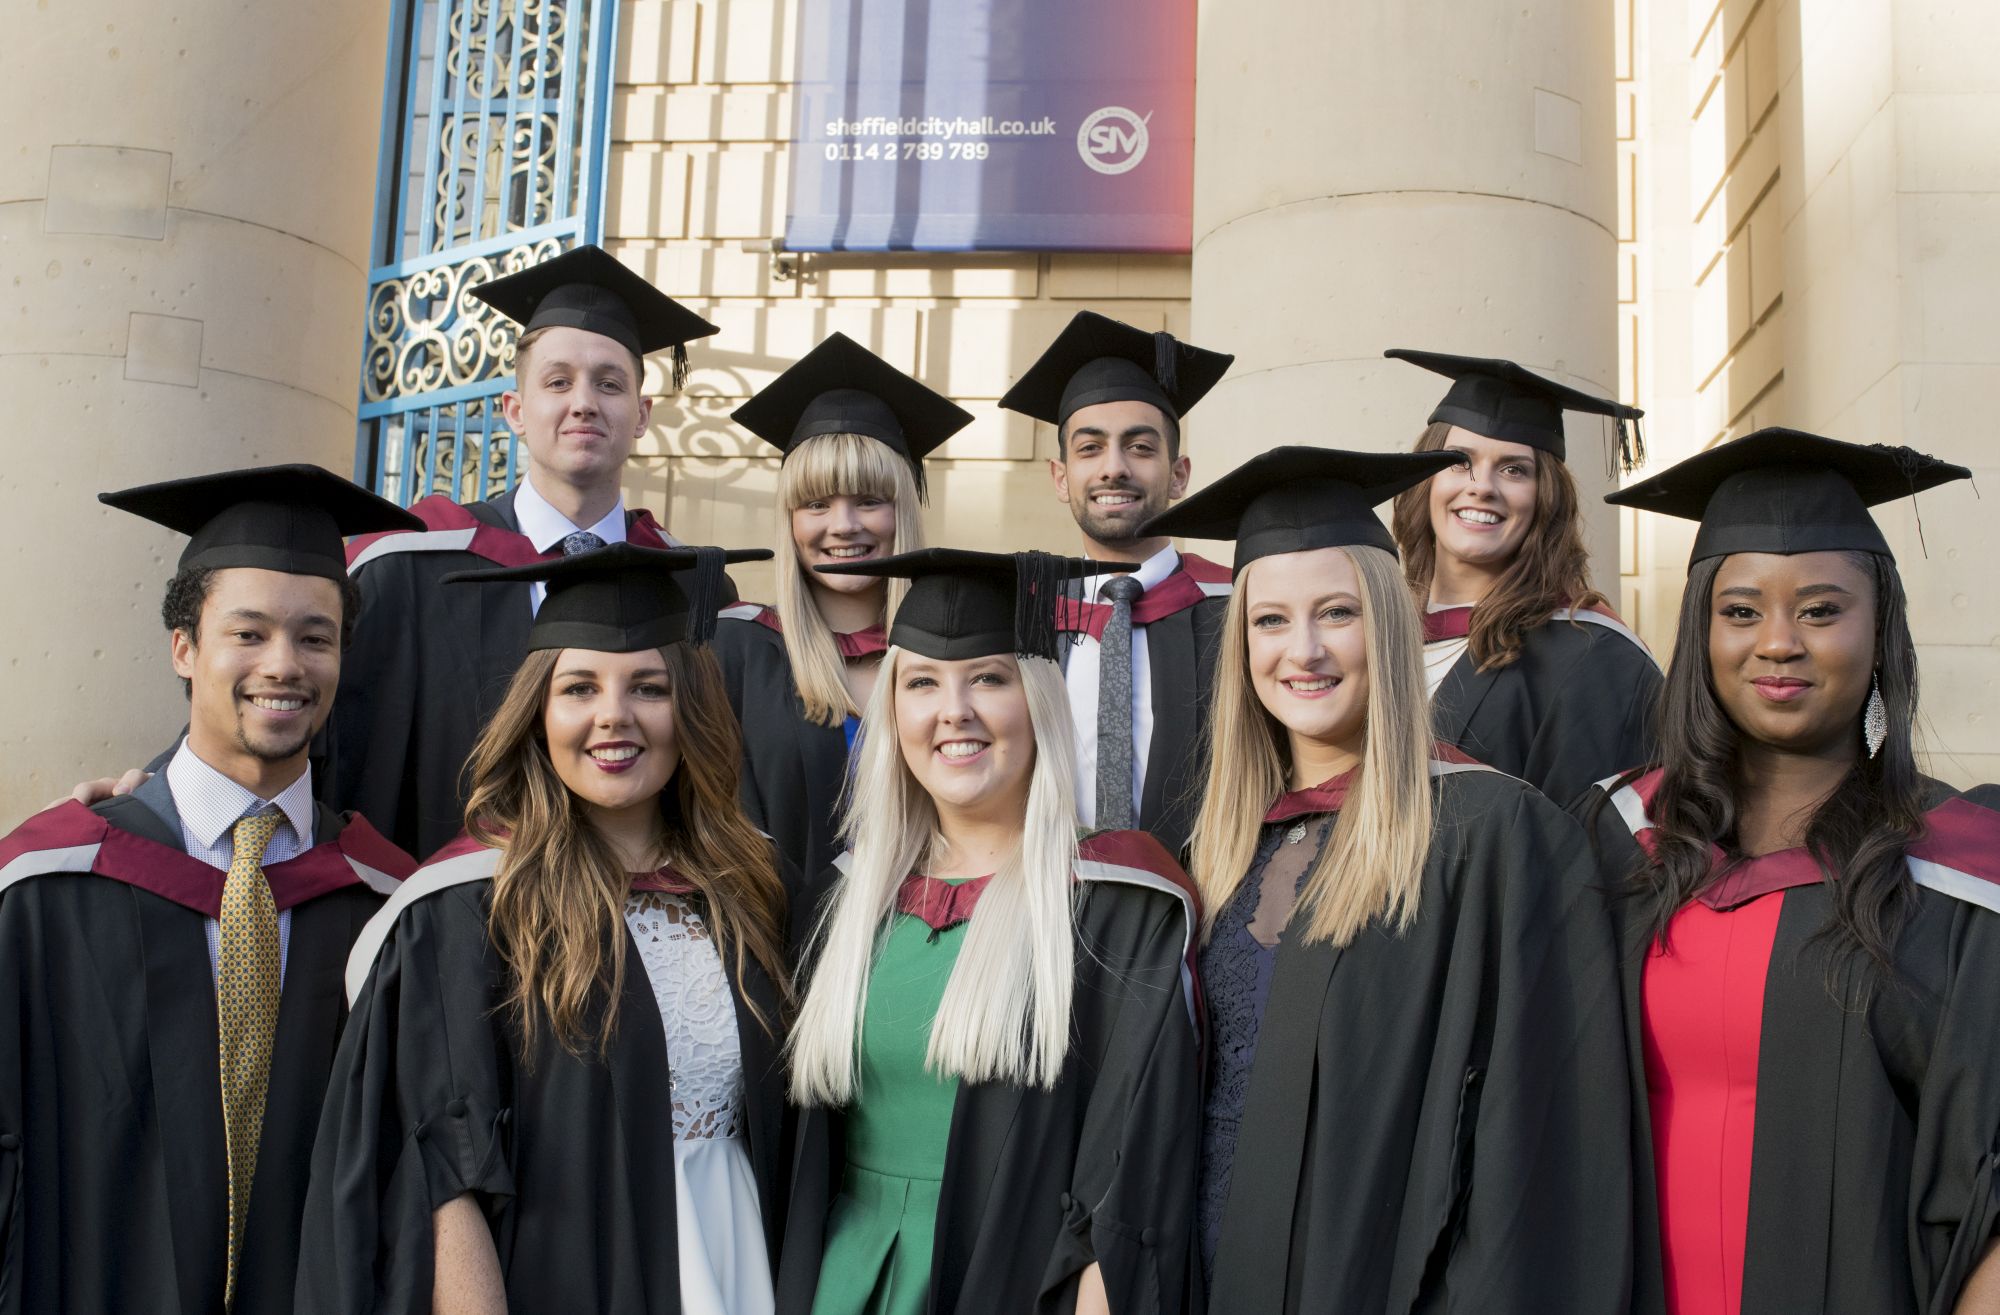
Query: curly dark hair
x: 1859, y: 835
x: 187, y: 594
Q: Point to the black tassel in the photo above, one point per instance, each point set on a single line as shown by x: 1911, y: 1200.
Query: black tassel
x: 923, y: 485
x: 1910, y: 463
x: 1038, y: 583
x: 1631, y: 445
x: 706, y: 600
x: 1167, y: 366
x: 678, y: 366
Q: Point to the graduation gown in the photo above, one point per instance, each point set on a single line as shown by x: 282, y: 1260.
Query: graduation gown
x: 1876, y: 1145
x: 1038, y: 1185
x: 571, y: 1160
x: 114, y: 1191
x: 1182, y: 616
x: 1437, y: 1120
x: 794, y: 768
x: 1576, y: 706
x: 430, y: 663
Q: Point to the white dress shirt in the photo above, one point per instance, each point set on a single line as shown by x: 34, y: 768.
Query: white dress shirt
x: 210, y: 805
x: 1081, y: 675
x: 1441, y: 655
x: 545, y: 527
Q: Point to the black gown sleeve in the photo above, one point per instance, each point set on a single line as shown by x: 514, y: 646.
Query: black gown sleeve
x: 416, y: 1114
x: 17, y: 970
x: 370, y: 736
x: 1600, y: 720
x: 1954, y: 1199
x: 743, y: 654
x: 1544, y: 1185
x: 1130, y: 1205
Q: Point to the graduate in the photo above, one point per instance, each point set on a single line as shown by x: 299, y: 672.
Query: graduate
x: 854, y: 432
x: 170, y: 959
x: 1413, y: 1094
x: 1139, y: 647
x: 560, y: 1090
x: 1811, y: 925
x: 1529, y: 669
x: 995, y: 1052
x: 433, y: 662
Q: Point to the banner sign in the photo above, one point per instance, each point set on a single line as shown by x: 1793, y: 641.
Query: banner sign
x: 981, y: 125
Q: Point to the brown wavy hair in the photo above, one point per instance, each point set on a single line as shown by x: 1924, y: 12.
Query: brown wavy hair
x: 558, y: 905
x: 1551, y: 570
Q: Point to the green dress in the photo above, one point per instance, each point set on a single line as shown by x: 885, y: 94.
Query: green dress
x: 880, y: 1232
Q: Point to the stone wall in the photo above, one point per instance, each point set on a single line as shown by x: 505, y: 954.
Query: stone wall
x: 702, y: 117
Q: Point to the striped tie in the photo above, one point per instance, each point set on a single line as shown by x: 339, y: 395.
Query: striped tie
x: 246, y: 1006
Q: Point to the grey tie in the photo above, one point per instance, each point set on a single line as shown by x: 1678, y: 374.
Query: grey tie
x: 580, y: 541
x: 1114, y: 708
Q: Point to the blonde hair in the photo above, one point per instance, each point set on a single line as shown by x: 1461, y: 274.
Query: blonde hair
x: 828, y: 466
x: 1373, y: 865
x: 1005, y: 1015
x: 557, y: 916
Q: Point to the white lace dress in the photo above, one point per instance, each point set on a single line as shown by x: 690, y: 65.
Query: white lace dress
x: 725, y: 1269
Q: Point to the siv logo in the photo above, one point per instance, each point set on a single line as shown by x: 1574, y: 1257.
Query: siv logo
x: 1112, y: 140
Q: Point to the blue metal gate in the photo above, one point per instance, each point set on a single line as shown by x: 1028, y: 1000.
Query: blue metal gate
x: 494, y: 139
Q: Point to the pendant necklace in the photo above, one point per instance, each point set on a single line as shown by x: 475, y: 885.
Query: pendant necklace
x: 1297, y: 833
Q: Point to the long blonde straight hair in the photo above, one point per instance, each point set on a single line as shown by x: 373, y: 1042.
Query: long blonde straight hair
x: 1005, y: 1014
x: 1374, y: 864
x: 829, y: 466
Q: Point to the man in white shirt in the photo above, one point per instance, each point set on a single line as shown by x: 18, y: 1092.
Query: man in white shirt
x: 1116, y: 395
x: 434, y: 661
x: 170, y: 959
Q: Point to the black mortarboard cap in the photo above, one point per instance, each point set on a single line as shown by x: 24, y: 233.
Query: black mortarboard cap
x: 1097, y: 359
x: 964, y: 604
x: 1786, y: 491
x: 276, y: 518
x: 1513, y: 404
x: 587, y: 287
x: 840, y: 387
x: 623, y: 598
x: 1296, y: 499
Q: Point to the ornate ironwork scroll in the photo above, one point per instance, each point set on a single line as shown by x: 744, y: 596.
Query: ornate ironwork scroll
x: 494, y: 137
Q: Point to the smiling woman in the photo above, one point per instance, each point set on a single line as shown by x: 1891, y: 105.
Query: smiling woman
x: 478, y: 1099
x: 854, y: 431
x: 1528, y: 667
x: 1395, y: 1074
x: 988, y: 992
x: 1811, y: 927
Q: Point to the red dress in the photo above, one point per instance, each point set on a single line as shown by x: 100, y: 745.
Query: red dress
x: 1703, y: 1015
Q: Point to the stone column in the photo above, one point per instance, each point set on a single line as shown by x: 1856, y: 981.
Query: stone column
x: 1421, y: 174
x: 1889, y: 195
x: 185, y: 208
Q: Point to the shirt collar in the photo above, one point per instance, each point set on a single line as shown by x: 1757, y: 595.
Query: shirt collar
x: 209, y: 803
x: 546, y: 527
x: 1150, y: 573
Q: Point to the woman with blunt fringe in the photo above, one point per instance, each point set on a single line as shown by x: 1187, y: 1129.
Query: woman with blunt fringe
x: 1529, y: 669
x: 995, y: 1050
x: 1413, y: 1066
x: 853, y: 431
x: 1811, y: 926
x: 559, y: 1087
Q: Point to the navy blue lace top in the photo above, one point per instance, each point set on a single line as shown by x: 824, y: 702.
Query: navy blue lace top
x: 1236, y: 967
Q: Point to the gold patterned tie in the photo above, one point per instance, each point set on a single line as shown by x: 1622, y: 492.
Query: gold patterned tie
x: 246, y: 1006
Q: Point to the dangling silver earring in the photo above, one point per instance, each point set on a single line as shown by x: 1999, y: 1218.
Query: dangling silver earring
x: 1875, y: 721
